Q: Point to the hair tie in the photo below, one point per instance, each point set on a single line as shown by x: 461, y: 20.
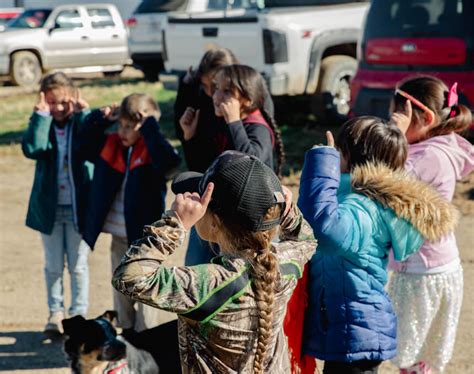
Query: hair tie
x: 453, y: 100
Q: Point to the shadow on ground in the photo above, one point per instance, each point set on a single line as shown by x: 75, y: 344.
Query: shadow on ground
x: 20, y: 350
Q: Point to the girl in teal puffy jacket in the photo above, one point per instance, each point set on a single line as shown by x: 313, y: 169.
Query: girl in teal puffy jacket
x: 358, y: 217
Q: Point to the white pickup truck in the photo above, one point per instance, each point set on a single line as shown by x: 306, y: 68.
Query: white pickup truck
x: 302, y: 47
x: 73, y: 38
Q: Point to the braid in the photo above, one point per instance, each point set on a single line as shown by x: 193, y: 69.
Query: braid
x: 280, y: 148
x: 264, y: 273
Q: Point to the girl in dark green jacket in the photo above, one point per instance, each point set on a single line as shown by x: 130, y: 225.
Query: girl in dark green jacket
x: 59, y: 192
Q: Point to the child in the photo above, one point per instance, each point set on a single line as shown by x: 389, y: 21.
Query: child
x: 57, y: 201
x: 238, y: 97
x: 357, y: 218
x: 427, y: 288
x: 129, y: 185
x: 195, y: 95
x: 230, y: 311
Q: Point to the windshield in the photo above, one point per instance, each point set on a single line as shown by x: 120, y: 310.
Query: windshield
x: 30, y: 19
x: 419, y: 18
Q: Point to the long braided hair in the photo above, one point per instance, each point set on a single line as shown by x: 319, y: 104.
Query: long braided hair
x: 255, y: 247
x: 251, y: 86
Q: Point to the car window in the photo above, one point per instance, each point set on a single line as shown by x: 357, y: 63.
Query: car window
x: 235, y: 4
x: 100, y: 18
x: 30, y: 19
x: 160, y: 6
x: 69, y: 19
x: 286, y: 3
x: 417, y: 18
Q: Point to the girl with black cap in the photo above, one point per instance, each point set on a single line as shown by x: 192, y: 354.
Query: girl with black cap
x: 230, y: 312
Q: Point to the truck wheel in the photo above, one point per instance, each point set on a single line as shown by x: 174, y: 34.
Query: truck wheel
x: 330, y: 102
x: 25, y: 69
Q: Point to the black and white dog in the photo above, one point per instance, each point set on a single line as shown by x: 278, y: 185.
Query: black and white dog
x: 92, y: 346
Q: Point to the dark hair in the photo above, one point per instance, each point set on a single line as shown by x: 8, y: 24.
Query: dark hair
x: 56, y: 80
x: 213, y: 59
x: 250, y: 84
x: 136, y: 103
x: 433, y: 93
x: 371, y: 139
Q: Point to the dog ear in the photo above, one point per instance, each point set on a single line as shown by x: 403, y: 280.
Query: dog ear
x: 72, y: 325
x: 111, y: 315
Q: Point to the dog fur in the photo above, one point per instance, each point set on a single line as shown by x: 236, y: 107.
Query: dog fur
x: 93, y: 347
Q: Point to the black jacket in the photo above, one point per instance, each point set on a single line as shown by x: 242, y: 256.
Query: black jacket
x: 151, y: 160
x: 212, y: 131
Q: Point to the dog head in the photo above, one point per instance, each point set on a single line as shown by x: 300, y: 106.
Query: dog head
x: 93, y: 340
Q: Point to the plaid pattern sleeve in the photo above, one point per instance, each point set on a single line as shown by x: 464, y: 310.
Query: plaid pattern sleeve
x: 179, y: 289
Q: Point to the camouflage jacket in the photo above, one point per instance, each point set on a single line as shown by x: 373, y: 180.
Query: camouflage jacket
x: 217, y: 313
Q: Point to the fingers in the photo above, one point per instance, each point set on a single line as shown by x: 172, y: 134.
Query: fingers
x: 196, y: 117
x: 42, y: 99
x: 330, y: 139
x: 408, y: 109
x: 206, y: 197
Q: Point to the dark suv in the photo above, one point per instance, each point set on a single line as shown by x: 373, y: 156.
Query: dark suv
x: 406, y: 37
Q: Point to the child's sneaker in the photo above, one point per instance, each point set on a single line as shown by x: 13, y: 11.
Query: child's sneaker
x: 54, y: 326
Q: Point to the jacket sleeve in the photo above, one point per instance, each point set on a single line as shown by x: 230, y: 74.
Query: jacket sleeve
x: 339, y: 228
x: 35, y: 143
x: 253, y: 139
x: 143, y: 277
x: 91, y: 135
x: 297, y: 241
x: 164, y: 157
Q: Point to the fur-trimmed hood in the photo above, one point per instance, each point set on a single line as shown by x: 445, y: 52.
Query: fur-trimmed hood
x: 410, y: 199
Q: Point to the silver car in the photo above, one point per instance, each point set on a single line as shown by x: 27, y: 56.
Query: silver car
x: 73, y: 38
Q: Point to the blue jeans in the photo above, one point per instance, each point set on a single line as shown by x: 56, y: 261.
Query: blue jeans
x: 66, y: 243
x: 199, y: 251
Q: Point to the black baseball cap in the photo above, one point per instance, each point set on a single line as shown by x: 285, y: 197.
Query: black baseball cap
x: 244, y: 189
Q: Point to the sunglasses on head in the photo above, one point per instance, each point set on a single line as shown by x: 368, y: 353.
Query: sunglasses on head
x: 414, y: 101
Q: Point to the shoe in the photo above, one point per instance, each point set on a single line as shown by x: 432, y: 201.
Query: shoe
x: 54, y: 325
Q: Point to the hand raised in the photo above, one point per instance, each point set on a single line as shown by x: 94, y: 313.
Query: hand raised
x: 42, y: 105
x: 188, y: 122
x: 190, y: 207
x: 79, y: 103
x: 111, y: 112
x: 288, y: 199
x: 230, y: 109
x: 403, y: 118
x: 188, y: 78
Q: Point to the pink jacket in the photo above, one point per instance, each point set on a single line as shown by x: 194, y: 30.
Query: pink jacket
x: 439, y: 161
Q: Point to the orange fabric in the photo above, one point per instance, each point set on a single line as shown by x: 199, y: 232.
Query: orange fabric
x: 293, y: 327
x: 113, y: 149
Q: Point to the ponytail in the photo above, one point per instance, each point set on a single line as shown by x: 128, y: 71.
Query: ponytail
x: 280, y: 148
x: 457, y: 123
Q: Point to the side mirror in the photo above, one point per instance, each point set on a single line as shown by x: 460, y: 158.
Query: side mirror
x: 51, y: 29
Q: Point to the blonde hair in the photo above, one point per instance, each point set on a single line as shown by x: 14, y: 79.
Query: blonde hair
x: 255, y: 247
x: 56, y: 80
x: 136, y: 103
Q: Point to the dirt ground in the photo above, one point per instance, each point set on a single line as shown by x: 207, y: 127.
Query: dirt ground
x: 23, y: 309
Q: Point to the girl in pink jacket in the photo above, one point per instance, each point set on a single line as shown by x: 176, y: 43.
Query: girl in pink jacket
x: 427, y: 288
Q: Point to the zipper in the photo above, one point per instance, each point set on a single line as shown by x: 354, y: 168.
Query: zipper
x: 71, y: 176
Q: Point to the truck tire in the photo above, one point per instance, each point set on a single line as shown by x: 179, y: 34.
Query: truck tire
x: 25, y: 69
x: 330, y: 102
